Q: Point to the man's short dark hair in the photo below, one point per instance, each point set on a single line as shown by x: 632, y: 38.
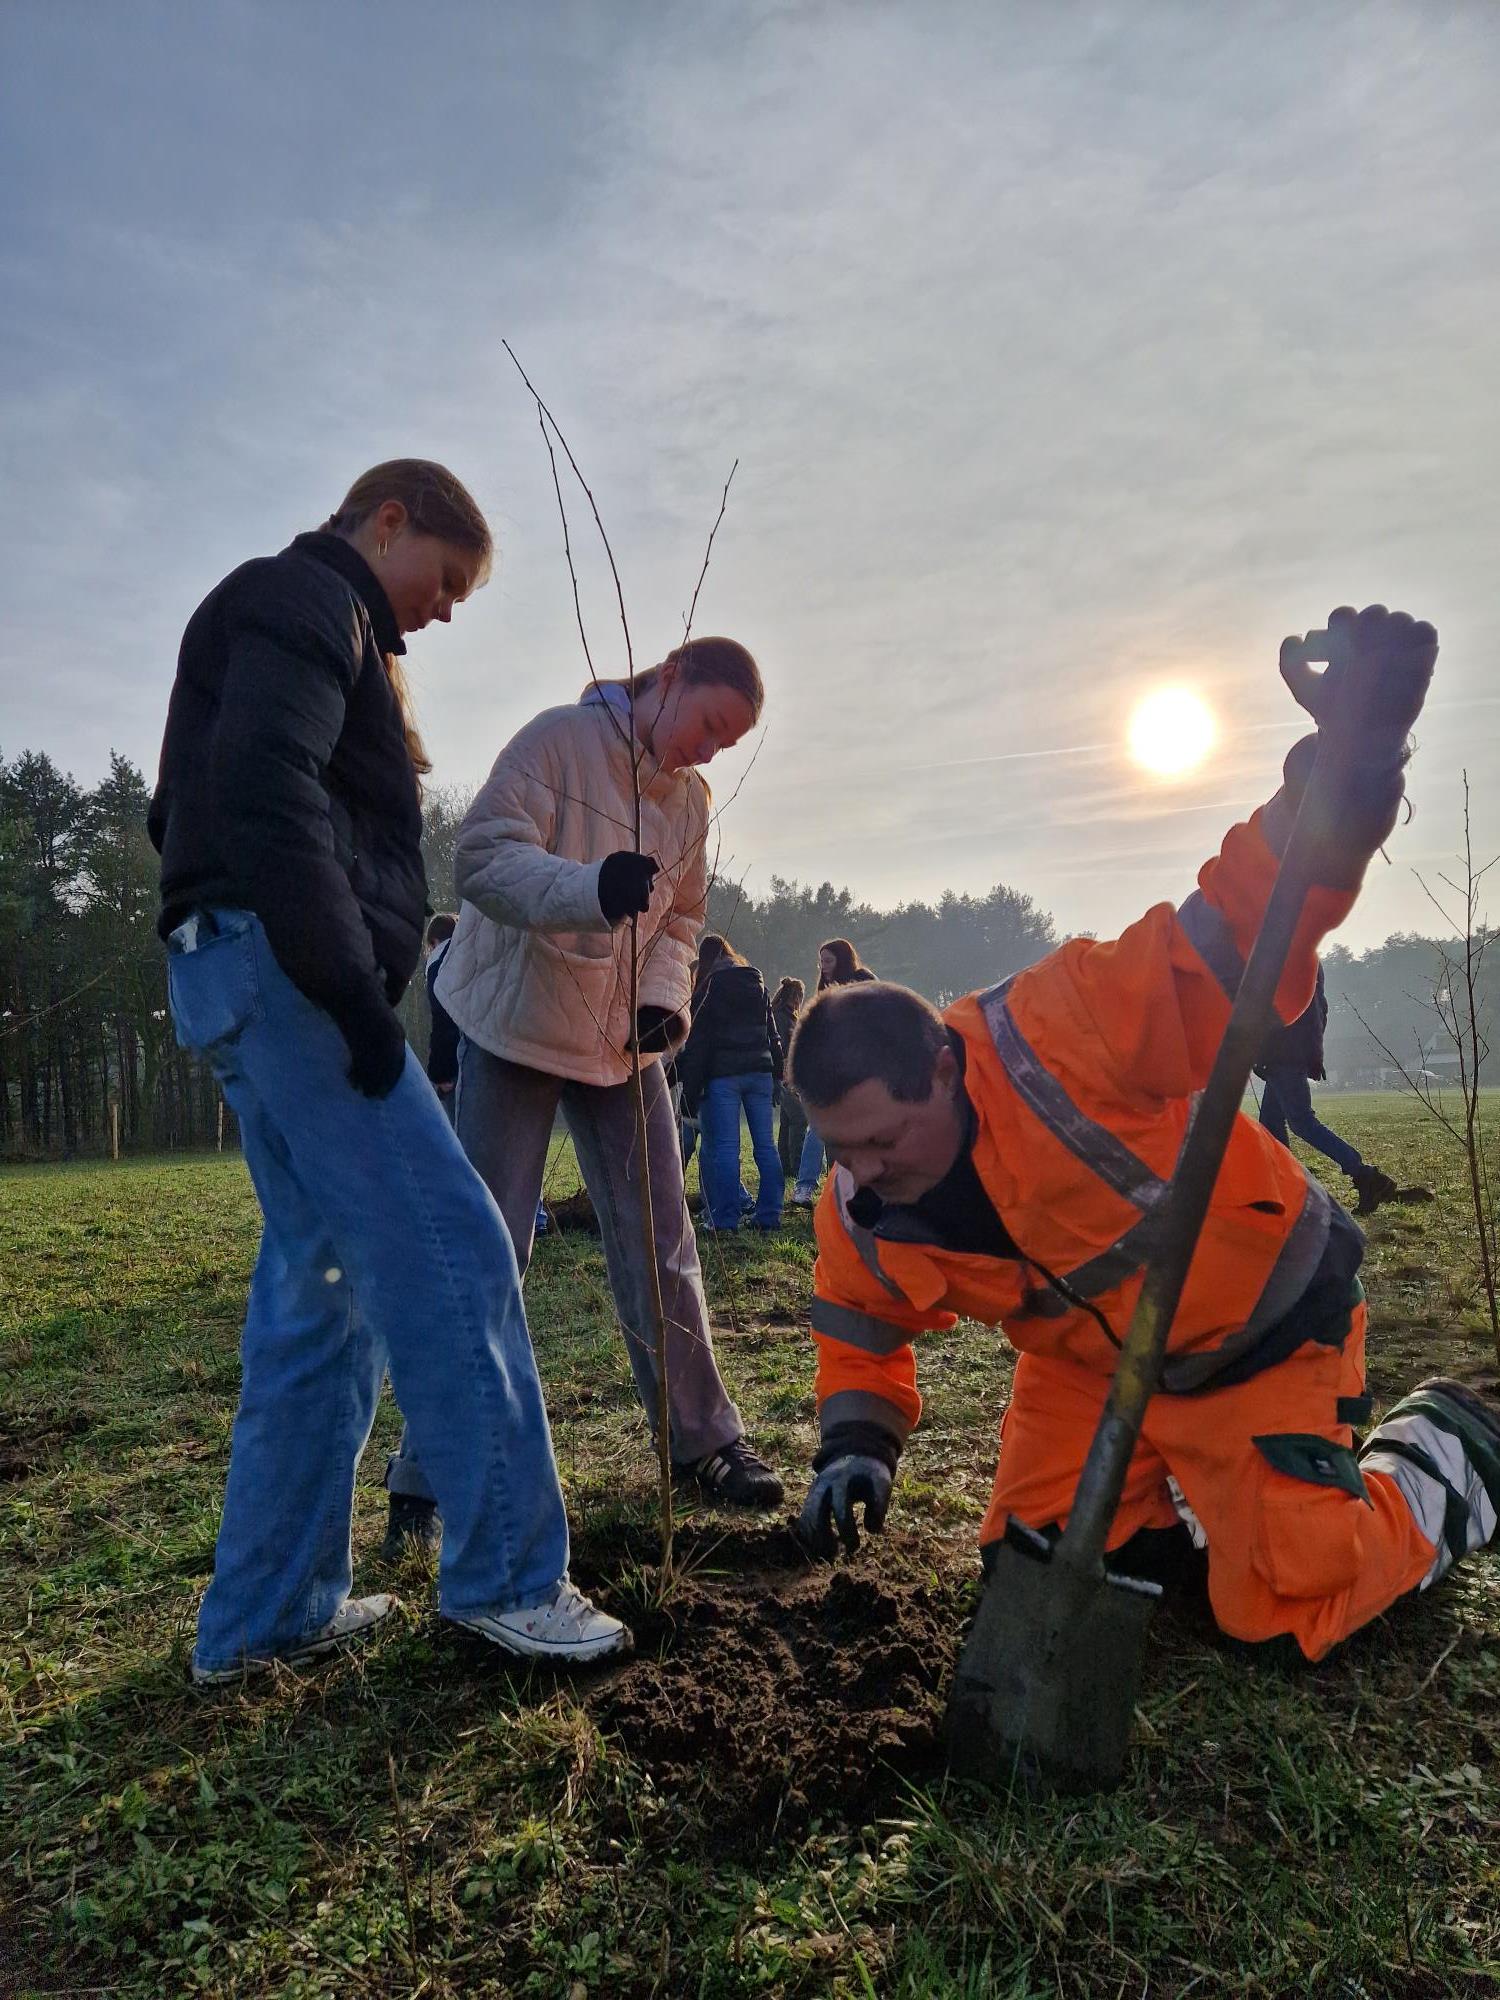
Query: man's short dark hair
x: 443, y: 925
x: 850, y: 1034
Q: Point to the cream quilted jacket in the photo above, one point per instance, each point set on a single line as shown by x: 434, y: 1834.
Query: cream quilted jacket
x: 534, y: 973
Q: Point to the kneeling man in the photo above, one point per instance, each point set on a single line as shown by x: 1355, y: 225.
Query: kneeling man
x: 1006, y: 1160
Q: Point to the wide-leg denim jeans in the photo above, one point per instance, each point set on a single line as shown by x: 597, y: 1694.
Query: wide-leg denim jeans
x: 719, y: 1164
x: 381, y: 1249
x: 505, y: 1116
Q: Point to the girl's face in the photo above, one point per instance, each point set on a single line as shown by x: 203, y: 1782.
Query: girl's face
x: 424, y: 577
x: 693, y: 724
x: 828, y: 965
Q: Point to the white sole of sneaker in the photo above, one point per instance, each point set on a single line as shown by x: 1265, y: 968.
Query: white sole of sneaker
x: 304, y: 1656
x: 522, y: 1648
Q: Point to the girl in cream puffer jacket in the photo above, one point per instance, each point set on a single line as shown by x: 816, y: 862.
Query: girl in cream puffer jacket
x: 536, y: 973
x: 537, y: 979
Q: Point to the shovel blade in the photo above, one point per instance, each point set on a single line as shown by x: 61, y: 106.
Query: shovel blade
x: 1045, y: 1691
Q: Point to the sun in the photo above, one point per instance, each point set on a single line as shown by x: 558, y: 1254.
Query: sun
x: 1171, y: 732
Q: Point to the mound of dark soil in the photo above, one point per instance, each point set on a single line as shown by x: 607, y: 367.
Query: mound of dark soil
x: 772, y: 1689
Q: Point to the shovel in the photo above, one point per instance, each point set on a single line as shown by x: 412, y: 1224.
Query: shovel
x: 1045, y: 1689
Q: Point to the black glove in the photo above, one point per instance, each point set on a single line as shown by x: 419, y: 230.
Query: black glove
x: 625, y: 881
x: 377, y: 1044
x: 1365, y: 702
x: 856, y: 1466
x: 656, y: 1028
x: 831, y: 1500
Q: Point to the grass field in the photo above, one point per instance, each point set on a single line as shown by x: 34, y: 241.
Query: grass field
x: 755, y: 1805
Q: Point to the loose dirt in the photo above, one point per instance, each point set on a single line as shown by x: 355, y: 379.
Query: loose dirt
x: 773, y: 1689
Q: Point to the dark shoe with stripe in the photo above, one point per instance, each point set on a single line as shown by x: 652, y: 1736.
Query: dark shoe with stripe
x: 737, y: 1476
x: 411, y: 1524
x: 1374, y: 1189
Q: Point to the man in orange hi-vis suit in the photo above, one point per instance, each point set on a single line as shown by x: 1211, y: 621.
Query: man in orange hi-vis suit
x: 1006, y: 1161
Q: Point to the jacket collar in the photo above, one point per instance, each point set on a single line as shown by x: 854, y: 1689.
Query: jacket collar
x: 337, y: 554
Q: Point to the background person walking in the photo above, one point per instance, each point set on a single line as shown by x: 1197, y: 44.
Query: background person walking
x: 1291, y: 1058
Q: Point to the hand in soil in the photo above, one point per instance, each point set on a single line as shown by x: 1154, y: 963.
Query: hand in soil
x: 844, y: 1483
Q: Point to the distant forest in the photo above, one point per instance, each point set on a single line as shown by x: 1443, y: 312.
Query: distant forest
x: 86, y: 1042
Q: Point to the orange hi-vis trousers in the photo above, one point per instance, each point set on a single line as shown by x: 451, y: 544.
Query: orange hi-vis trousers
x: 1302, y: 1552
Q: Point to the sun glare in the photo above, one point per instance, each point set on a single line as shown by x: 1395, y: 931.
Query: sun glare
x: 1171, y: 732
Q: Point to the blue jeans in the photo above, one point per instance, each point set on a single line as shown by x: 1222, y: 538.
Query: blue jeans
x: 505, y: 1119
x: 381, y: 1248
x: 1287, y: 1100
x: 810, y: 1166
x: 719, y: 1166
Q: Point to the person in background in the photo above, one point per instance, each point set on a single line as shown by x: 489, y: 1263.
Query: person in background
x: 538, y: 980
x: 1292, y: 1056
x: 442, y: 1045
x: 287, y: 814
x: 791, y: 1130
x: 732, y: 1062
x: 839, y: 964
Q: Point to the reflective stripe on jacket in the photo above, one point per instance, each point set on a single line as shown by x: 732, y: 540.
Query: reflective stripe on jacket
x: 1082, y: 1072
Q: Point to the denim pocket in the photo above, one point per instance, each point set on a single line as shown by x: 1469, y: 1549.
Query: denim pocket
x: 214, y: 991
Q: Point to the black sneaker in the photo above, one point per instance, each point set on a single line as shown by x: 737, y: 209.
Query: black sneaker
x: 411, y: 1524
x: 737, y: 1476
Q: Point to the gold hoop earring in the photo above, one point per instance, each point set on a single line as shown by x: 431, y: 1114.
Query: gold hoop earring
x: 382, y: 549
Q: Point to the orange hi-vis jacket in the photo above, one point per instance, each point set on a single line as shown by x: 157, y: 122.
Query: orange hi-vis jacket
x: 1082, y: 1072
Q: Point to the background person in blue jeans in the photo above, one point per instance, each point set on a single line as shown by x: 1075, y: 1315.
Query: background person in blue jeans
x: 1293, y: 1056
x: 731, y: 1062
x: 839, y: 964
x: 288, y: 820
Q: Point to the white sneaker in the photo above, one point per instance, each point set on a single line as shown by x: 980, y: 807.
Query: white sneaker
x: 355, y: 1618
x: 804, y: 1195
x: 567, y: 1628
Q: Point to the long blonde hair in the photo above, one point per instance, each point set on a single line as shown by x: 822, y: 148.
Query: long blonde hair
x: 436, y: 504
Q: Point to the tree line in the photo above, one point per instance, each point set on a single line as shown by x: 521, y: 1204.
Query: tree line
x: 88, y: 1055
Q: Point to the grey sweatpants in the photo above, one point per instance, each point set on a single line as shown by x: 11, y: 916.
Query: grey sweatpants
x: 504, y: 1115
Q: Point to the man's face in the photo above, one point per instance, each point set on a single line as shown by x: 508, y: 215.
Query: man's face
x: 897, y: 1150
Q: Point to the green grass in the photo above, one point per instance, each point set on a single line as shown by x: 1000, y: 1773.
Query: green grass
x: 413, y: 1819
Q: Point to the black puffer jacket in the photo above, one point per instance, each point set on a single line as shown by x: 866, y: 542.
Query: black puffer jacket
x: 732, y: 1032
x: 286, y: 787
x: 1299, y: 1045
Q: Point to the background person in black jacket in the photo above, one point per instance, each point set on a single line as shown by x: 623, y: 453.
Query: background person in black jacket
x: 288, y: 820
x: 1292, y: 1055
x: 791, y: 1128
x: 442, y: 1045
x: 731, y: 1061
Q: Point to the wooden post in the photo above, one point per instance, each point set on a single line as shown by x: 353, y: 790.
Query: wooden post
x: 221, y: 1124
x: 114, y: 1128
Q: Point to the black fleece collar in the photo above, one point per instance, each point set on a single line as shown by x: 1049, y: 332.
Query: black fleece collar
x: 340, y: 555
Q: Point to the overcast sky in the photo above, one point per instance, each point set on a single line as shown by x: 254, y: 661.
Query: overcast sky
x: 1065, y: 350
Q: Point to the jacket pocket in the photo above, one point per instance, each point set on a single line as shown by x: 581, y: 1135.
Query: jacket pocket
x: 214, y: 991
x: 1310, y: 1512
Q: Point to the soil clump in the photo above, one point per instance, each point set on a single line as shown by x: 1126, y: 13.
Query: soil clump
x: 772, y: 1689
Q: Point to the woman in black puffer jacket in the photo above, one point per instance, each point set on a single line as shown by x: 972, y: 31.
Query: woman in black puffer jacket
x: 288, y: 820
x: 732, y: 1061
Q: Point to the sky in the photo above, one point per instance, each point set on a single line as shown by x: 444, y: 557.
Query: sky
x: 1064, y: 350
